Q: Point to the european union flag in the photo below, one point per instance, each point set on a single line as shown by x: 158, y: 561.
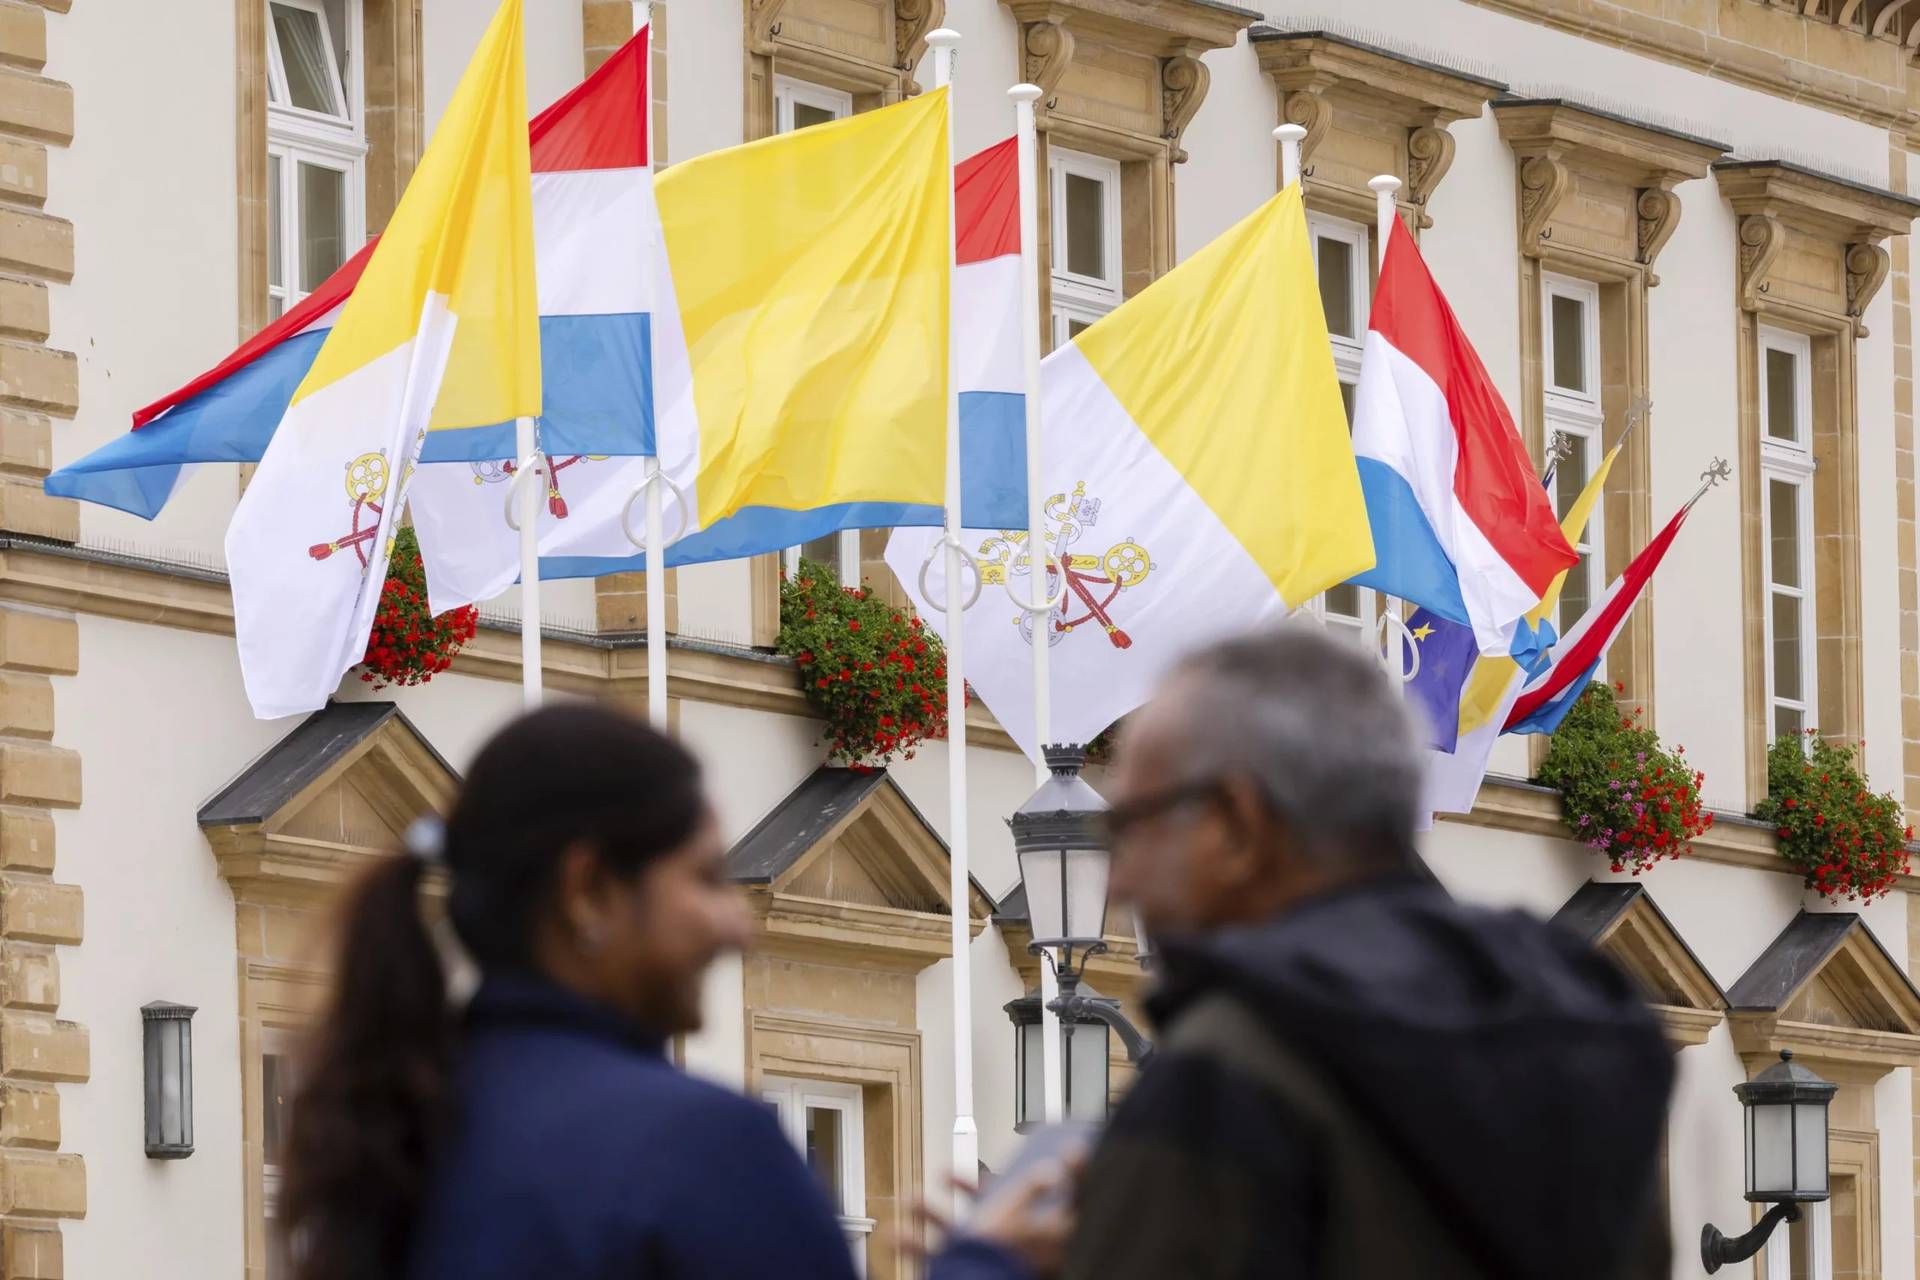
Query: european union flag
x: 1447, y: 653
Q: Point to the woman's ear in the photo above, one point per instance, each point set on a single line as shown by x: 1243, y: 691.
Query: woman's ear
x: 582, y: 894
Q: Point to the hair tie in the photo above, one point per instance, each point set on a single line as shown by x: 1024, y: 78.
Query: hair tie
x: 426, y: 840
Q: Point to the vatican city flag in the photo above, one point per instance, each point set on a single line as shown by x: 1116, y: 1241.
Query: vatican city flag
x: 441, y: 333
x: 1200, y: 477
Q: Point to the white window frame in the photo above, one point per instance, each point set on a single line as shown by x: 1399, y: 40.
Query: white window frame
x: 1080, y: 297
x: 1576, y: 413
x: 1346, y: 366
x: 295, y: 137
x: 1783, y: 462
x: 790, y: 1098
x: 274, y: 1042
x: 788, y: 92
x: 1817, y: 1221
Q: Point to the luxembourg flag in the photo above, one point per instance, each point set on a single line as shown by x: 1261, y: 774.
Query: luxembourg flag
x: 582, y: 533
x: 1547, y: 698
x: 596, y: 232
x: 441, y: 334
x: 1461, y: 526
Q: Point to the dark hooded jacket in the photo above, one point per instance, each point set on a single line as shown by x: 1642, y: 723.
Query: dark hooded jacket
x: 1500, y: 1076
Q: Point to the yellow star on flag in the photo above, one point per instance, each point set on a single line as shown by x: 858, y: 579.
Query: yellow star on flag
x: 1422, y: 631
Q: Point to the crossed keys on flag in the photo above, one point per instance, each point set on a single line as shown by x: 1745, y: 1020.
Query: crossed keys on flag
x: 367, y: 477
x: 505, y: 469
x: 1095, y: 580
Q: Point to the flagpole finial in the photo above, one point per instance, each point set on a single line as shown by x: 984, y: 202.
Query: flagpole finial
x: 1025, y: 93
x: 1289, y: 136
x: 943, y: 38
x: 1559, y: 448
x: 1717, y: 470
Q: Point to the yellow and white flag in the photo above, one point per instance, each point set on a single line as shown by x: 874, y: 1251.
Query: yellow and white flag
x: 441, y: 333
x: 1200, y: 477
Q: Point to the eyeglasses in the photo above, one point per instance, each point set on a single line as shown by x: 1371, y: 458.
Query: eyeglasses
x: 1116, y: 823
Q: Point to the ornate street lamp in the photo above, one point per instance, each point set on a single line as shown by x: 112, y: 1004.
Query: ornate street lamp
x: 1064, y: 865
x: 1084, y: 1059
x: 167, y: 1033
x: 1786, y: 1141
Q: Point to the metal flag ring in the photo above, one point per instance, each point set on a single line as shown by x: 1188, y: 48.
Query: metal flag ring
x: 679, y: 508
x: 949, y: 541
x: 525, y: 469
x: 1406, y: 674
x: 1041, y: 610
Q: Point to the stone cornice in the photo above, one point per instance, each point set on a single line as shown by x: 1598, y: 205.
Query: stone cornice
x: 1420, y: 93
x: 1772, y: 60
x: 1508, y: 804
x: 1554, y: 139
x: 109, y: 584
x: 1852, y: 217
x: 1163, y: 27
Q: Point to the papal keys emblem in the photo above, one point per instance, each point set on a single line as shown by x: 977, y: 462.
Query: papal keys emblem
x: 367, y: 477
x: 1095, y: 583
x: 501, y: 472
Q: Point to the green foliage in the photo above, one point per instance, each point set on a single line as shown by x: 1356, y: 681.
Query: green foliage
x: 877, y: 677
x: 1622, y: 793
x: 1845, y: 839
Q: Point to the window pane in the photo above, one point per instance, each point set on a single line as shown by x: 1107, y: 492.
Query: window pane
x: 1570, y: 477
x: 303, y: 52
x: 1787, y: 647
x: 823, y: 1153
x: 1783, y: 401
x: 806, y: 114
x: 1569, y: 343
x: 1800, y: 1248
x: 323, y: 223
x: 1336, y: 286
x: 1788, y: 723
x: 275, y: 1085
x: 1783, y: 521
x: 1343, y: 601
x: 276, y: 307
x: 1844, y: 1226
x: 1086, y: 226
x: 276, y: 252
x: 1576, y: 594
x: 824, y: 551
x: 1346, y: 402
x: 1077, y: 327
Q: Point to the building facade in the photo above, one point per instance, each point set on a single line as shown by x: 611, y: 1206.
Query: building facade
x: 1690, y: 216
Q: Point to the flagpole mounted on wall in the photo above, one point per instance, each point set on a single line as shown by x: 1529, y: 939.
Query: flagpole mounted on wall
x: 966, y: 1134
x: 1289, y: 136
x: 1399, y: 650
x: 525, y: 496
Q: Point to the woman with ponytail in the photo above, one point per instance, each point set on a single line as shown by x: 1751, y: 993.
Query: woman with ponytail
x: 541, y: 1130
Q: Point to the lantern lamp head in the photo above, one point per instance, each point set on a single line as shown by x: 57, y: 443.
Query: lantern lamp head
x: 167, y: 1041
x: 1064, y: 862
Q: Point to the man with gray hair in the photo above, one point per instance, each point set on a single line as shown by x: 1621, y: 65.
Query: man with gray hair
x: 1357, y: 1076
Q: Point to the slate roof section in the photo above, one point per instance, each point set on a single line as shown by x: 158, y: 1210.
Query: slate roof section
x: 1595, y: 905
x: 290, y: 765
x: 1808, y: 941
x: 795, y: 825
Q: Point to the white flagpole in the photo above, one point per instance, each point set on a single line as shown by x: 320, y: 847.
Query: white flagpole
x: 1053, y: 1068
x: 530, y: 491
x: 1395, y: 639
x: 966, y: 1134
x: 1289, y: 137
x: 656, y: 552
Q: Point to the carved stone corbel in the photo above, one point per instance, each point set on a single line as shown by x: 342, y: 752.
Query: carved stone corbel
x: 1049, y: 50
x: 1429, y: 156
x: 1658, y: 212
x: 1183, y: 87
x: 1760, y: 241
x: 1306, y: 108
x: 1544, y: 181
x: 1867, y: 266
x: 763, y: 23
x: 912, y: 19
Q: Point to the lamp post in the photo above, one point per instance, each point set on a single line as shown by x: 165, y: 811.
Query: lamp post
x: 1064, y: 867
x: 1786, y: 1154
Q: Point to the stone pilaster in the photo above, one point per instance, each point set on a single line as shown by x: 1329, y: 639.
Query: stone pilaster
x: 39, y: 1184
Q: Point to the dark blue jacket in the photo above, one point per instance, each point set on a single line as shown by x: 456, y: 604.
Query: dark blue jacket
x: 576, y: 1151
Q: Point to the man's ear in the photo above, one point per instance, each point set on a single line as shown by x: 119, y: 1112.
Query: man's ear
x: 1254, y: 832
